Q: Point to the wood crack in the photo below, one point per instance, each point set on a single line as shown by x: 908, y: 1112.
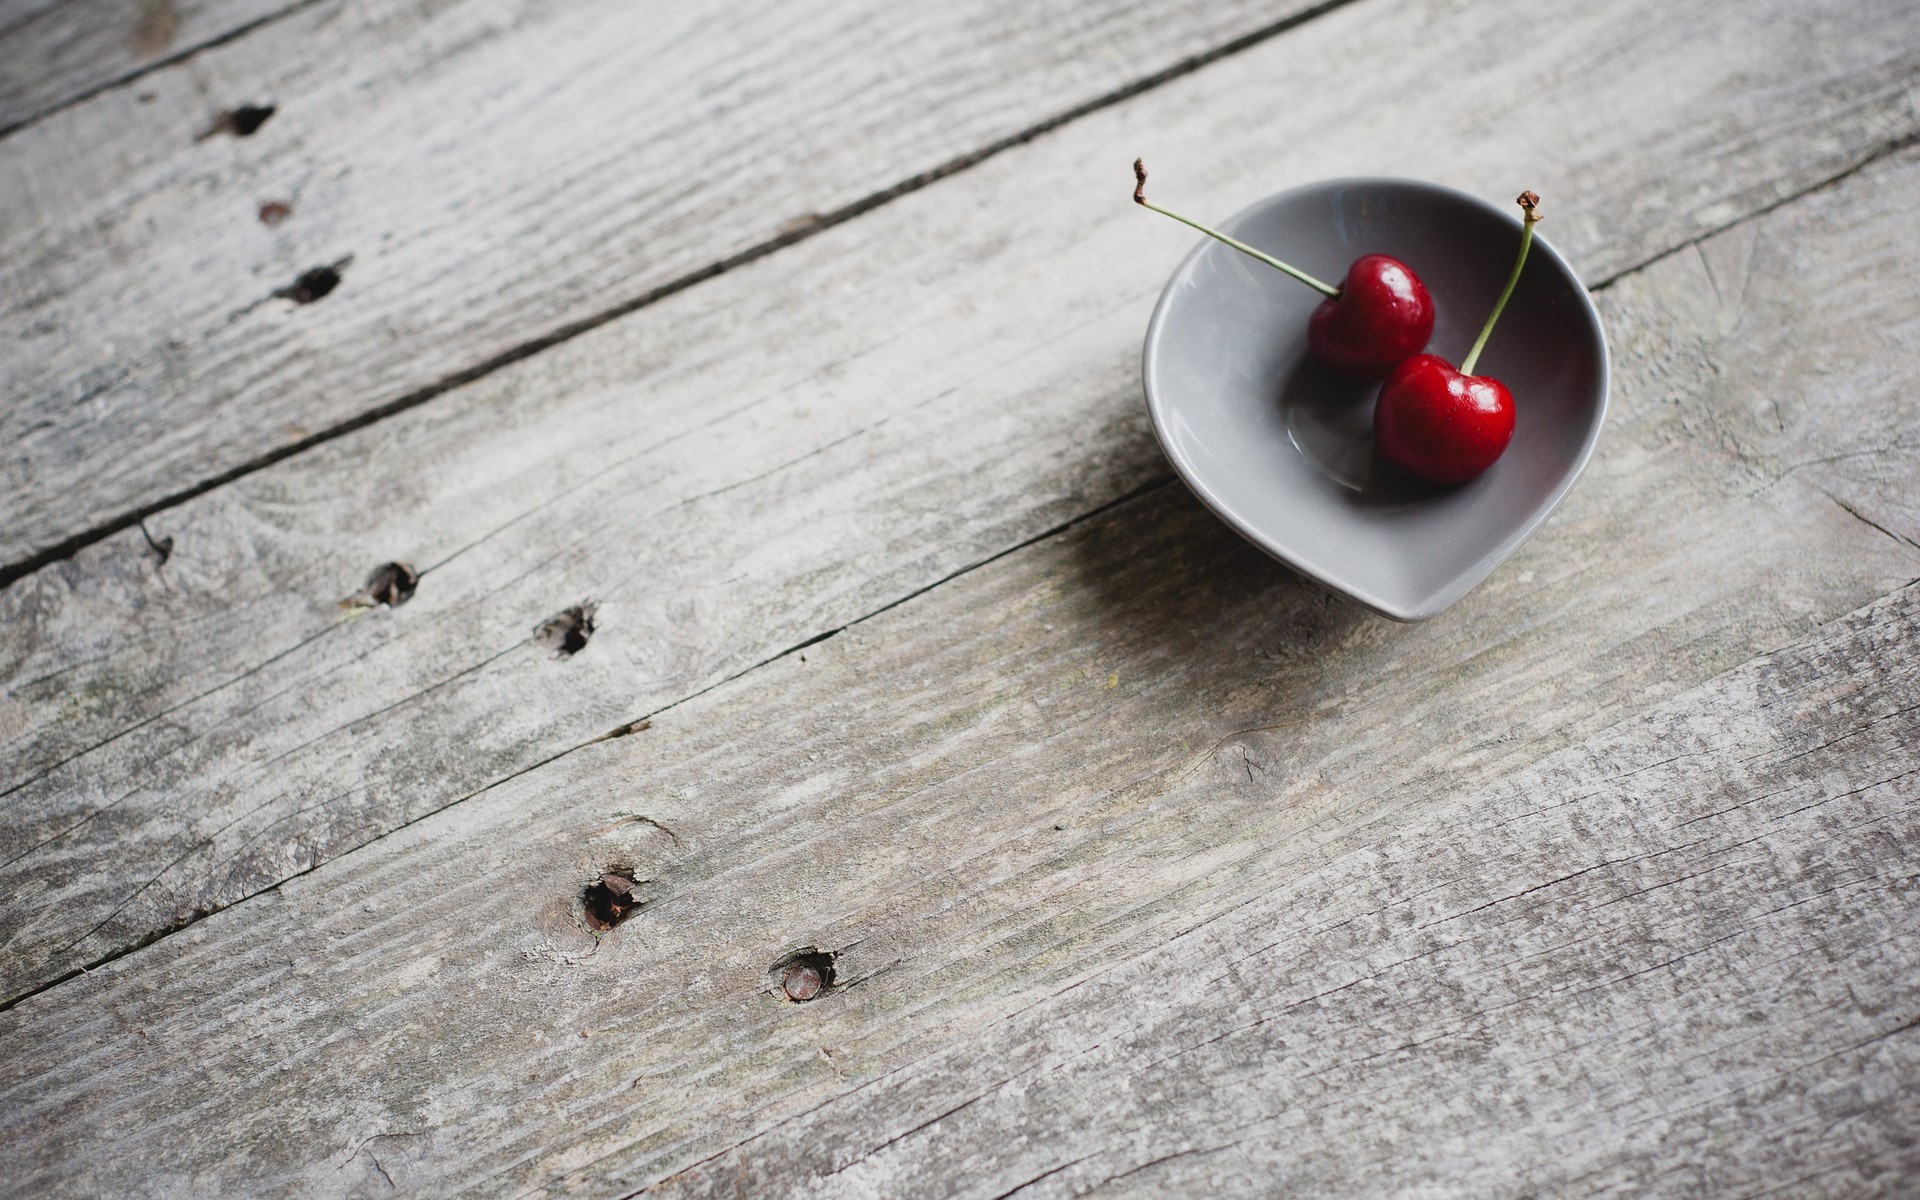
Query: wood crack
x: 1885, y: 150
x: 638, y: 723
x: 895, y: 833
x: 1857, y: 515
x: 1046, y: 1174
x: 68, y: 546
x: 140, y: 72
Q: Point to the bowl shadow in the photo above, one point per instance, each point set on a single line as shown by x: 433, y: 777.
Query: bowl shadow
x: 1176, y: 591
x: 1329, y: 420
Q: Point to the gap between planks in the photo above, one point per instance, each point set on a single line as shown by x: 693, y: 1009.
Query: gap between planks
x: 567, y: 744
x: 1142, y: 996
x: 1136, y: 494
x: 67, y: 547
x: 135, y: 74
x: 623, y: 730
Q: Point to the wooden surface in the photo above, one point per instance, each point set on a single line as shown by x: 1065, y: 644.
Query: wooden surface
x: 1146, y: 868
x: 474, y: 208
x: 55, y: 52
x: 864, y: 447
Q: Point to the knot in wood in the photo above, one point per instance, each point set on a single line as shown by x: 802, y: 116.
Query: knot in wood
x: 802, y: 983
x: 243, y: 121
x: 565, y: 634
x: 390, y: 584
x: 611, y: 899
x: 315, y: 283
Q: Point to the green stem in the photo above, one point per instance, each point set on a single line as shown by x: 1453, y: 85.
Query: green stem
x: 1529, y: 204
x: 1140, y: 198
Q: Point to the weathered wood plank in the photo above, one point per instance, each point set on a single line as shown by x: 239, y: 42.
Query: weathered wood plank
x: 53, y: 52
x: 1679, y: 959
x: 480, y: 206
x: 910, y: 422
x: 1134, y: 824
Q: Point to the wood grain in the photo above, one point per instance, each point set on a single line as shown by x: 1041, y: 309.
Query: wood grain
x: 54, y: 52
x: 486, y: 176
x: 189, y: 734
x: 1679, y: 959
x: 1148, y: 868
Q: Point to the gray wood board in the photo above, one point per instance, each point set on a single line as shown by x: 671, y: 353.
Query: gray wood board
x: 53, y: 52
x: 498, y: 172
x: 945, y: 399
x: 1146, y: 865
x: 1680, y: 959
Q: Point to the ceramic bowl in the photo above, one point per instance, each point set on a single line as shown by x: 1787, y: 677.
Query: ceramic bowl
x: 1283, y: 451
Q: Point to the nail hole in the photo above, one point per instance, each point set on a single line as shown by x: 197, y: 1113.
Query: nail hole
x: 566, y: 632
x: 273, y: 212
x: 240, y: 122
x: 313, y: 284
x: 390, y: 585
x: 804, y: 975
x: 611, y: 899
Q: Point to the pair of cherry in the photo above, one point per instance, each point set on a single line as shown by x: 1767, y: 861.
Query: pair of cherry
x: 1444, y: 425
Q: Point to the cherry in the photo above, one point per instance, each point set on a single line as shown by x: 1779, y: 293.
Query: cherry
x: 1445, y: 427
x: 1376, y: 318
x: 1448, y: 426
x: 1381, y: 317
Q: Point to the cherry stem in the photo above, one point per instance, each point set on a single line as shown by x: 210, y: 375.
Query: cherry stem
x: 1140, y: 198
x: 1529, y: 205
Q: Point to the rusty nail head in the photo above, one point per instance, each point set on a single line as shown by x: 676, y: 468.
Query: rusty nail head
x: 802, y: 982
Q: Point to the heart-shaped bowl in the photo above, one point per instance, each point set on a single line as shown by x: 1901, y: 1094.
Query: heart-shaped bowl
x: 1283, y: 451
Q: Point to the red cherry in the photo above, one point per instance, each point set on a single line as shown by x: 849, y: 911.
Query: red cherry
x: 1448, y: 426
x: 1443, y: 426
x: 1381, y: 317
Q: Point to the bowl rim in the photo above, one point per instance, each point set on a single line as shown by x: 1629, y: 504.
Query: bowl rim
x: 1430, y: 606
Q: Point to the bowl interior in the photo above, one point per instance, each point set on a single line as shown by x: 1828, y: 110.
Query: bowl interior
x: 1283, y: 451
